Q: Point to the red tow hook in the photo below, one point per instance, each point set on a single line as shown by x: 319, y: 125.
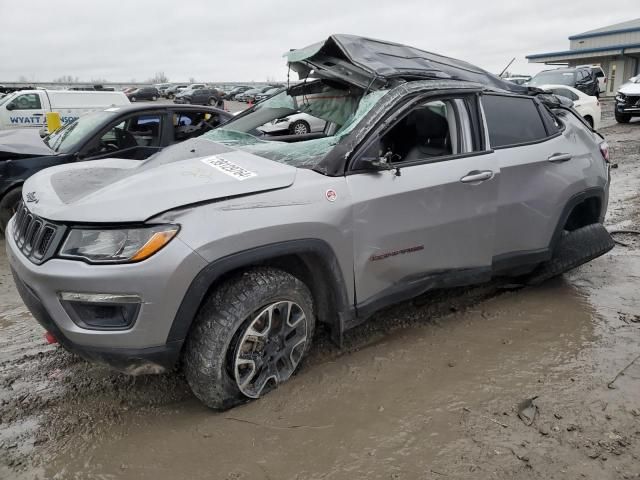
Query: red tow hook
x: 50, y: 338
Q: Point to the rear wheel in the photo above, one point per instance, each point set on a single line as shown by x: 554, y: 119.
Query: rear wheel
x: 574, y: 248
x: 154, y: 98
x: 133, y: 99
x: 169, y: 96
x: 622, y: 117
x: 8, y: 206
x: 249, y: 337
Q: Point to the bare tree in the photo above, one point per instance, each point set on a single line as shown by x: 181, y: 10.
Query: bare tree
x: 23, y: 79
x: 159, y: 77
x: 66, y: 79
x: 192, y: 80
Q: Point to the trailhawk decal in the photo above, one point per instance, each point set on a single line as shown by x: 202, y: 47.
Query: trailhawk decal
x: 382, y: 256
x: 229, y: 168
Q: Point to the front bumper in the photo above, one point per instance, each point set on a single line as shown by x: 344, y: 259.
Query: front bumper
x: 160, y: 281
x: 628, y: 106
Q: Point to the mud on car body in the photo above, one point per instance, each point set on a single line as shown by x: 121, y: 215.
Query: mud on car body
x: 227, y: 250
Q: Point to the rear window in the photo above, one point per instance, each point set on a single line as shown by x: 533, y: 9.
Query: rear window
x: 512, y: 120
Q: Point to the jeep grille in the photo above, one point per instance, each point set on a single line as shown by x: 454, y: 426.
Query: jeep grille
x: 36, y: 237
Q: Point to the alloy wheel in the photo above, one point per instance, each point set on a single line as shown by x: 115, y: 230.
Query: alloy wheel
x: 269, y: 348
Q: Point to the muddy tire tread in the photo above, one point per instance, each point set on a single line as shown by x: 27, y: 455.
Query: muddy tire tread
x: 574, y: 249
x: 217, y: 321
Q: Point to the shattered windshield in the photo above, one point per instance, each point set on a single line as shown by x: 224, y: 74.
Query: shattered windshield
x: 340, y: 108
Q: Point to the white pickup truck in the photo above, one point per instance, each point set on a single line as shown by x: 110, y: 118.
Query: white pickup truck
x: 28, y: 108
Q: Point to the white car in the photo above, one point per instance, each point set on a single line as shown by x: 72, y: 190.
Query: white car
x: 28, y: 108
x: 296, y: 124
x: 587, y: 106
x: 518, y: 80
x: 628, y: 100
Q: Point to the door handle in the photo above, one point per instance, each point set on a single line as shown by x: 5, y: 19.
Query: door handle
x: 477, y: 176
x: 560, y: 157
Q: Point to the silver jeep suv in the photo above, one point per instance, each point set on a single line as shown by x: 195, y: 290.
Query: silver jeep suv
x: 226, y: 251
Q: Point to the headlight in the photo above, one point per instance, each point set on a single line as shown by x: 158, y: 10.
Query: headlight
x: 117, y: 245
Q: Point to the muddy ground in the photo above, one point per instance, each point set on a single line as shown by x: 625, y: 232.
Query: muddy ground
x: 426, y: 390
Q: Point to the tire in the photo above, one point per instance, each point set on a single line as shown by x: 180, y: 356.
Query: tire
x: 169, y: 96
x: 214, y: 371
x: 8, y: 206
x: 133, y: 99
x: 212, y: 102
x: 299, y: 127
x: 589, y: 120
x: 622, y: 117
x: 154, y: 98
x: 574, y: 249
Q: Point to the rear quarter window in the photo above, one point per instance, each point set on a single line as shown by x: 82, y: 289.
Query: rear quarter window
x: 512, y: 121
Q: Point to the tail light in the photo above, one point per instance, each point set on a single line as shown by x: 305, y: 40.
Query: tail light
x: 604, y: 150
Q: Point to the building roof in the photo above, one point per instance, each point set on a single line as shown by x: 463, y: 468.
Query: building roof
x: 586, y: 52
x: 622, y: 27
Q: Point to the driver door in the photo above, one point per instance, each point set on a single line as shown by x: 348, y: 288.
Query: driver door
x: 135, y: 137
x: 25, y: 111
x: 429, y: 220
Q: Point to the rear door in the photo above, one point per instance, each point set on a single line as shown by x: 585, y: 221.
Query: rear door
x: 430, y: 221
x: 536, y: 164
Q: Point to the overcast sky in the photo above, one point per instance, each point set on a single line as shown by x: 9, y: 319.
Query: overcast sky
x: 244, y: 40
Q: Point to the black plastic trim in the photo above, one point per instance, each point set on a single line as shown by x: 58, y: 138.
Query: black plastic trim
x: 209, y: 274
x: 593, y: 192
x: 412, y: 287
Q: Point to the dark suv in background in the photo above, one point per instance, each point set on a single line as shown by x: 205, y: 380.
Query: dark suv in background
x: 582, y: 78
x: 144, y: 93
x: 202, y: 96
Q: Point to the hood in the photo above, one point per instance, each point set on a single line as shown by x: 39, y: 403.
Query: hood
x: 371, y: 64
x: 630, y: 89
x: 23, y: 141
x: 118, y: 191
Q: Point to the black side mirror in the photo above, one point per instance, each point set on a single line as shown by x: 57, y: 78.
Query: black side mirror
x: 11, y: 106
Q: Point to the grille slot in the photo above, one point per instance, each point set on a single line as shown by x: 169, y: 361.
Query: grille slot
x: 35, y: 237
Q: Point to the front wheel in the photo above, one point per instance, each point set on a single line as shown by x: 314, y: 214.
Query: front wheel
x: 299, y: 127
x: 249, y: 337
x: 8, y: 206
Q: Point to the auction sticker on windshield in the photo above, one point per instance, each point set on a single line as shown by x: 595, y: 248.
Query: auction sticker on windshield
x: 230, y: 168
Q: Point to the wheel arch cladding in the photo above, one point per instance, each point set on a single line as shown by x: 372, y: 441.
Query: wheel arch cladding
x: 312, y: 261
x: 591, y: 196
